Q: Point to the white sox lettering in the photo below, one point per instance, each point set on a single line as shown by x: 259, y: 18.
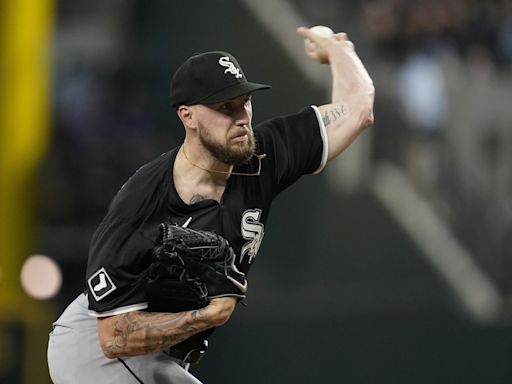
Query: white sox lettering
x: 230, y: 67
x: 253, y: 231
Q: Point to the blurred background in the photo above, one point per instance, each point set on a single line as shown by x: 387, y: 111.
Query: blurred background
x: 392, y: 266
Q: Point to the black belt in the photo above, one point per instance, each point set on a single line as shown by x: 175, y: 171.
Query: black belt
x: 188, y: 356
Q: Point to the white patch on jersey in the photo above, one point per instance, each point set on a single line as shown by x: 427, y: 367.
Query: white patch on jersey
x: 253, y: 231
x: 230, y: 67
x: 101, y: 284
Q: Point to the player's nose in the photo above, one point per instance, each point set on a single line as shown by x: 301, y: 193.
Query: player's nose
x: 243, y: 117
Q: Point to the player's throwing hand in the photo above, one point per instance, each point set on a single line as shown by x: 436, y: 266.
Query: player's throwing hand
x: 318, y: 42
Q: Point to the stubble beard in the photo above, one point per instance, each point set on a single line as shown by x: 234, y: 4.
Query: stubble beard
x: 233, y: 154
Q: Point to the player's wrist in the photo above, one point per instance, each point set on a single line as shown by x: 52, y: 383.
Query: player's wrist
x: 220, y: 309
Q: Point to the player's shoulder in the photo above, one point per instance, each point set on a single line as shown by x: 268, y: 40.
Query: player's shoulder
x: 145, y: 183
x: 302, y: 117
x: 277, y: 129
x: 151, y: 171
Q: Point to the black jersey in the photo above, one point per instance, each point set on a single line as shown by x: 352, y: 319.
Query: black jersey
x: 121, y: 246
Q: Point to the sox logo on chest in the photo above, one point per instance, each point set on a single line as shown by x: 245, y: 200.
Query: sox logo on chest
x: 252, y: 231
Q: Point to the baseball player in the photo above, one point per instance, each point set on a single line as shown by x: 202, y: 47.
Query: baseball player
x: 222, y: 178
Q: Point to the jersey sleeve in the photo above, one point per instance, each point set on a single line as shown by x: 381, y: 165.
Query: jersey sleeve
x: 295, y: 145
x: 120, y: 249
x: 118, y: 253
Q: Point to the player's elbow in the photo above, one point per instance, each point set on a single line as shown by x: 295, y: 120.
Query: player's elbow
x: 108, y: 347
x: 109, y: 353
x: 113, y: 349
x: 367, y: 119
x: 107, y: 339
x: 366, y: 101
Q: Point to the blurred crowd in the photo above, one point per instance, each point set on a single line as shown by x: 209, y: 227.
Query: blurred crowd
x: 472, y: 29
x: 447, y: 119
x: 95, y: 111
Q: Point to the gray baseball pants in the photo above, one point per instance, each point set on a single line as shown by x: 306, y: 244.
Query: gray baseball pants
x: 75, y: 356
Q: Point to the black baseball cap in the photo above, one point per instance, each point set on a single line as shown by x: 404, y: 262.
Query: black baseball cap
x: 210, y: 77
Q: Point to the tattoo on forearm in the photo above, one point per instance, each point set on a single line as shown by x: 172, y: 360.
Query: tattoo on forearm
x: 152, y: 332
x: 334, y: 114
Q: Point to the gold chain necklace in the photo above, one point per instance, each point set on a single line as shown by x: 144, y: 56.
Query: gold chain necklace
x: 257, y: 173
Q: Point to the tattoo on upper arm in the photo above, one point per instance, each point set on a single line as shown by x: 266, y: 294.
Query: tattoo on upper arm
x: 333, y: 114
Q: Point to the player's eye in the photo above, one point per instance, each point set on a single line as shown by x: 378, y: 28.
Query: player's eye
x: 231, y: 107
x: 225, y: 108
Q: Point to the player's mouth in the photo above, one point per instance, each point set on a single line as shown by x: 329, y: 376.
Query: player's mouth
x: 240, y: 136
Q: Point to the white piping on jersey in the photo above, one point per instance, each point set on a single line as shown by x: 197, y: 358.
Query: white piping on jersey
x: 120, y: 310
x: 325, y: 139
x: 186, y: 223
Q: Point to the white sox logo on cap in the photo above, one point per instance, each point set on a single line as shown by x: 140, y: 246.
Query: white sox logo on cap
x: 210, y: 77
x: 230, y: 67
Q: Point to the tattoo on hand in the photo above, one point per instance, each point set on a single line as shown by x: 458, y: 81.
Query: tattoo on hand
x: 333, y: 115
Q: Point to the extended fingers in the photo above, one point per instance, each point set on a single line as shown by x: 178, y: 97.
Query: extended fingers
x: 306, y: 33
x: 315, y: 34
x: 310, y: 34
x: 341, y: 36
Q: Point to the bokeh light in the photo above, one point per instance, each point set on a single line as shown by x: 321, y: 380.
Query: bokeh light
x: 41, y: 277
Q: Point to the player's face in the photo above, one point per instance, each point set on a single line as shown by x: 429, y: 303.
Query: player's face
x: 224, y: 129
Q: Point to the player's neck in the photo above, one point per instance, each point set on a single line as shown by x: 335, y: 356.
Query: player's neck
x: 198, y: 164
x: 194, y: 184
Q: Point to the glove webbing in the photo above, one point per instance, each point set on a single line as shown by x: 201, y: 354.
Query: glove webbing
x: 206, y: 245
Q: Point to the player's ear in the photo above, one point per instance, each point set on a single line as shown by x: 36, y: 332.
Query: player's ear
x: 187, y: 117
